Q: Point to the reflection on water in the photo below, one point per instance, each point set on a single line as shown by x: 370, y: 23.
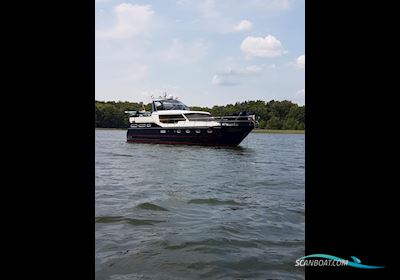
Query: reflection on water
x: 191, y: 212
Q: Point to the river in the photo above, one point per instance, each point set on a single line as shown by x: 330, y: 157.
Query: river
x: 192, y: 212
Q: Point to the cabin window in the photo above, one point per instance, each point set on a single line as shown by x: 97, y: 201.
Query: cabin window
x: 163, y: 131
x: 178, y: 131
x: 171, y: 118
x: 187, y: 130
x: 209, y: 131
x: 158, y: 105
x: 197, y: 130
x: 198, y: 117
x: 170, y: 104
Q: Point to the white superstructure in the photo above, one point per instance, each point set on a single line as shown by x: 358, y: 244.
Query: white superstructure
x: 172, y: 113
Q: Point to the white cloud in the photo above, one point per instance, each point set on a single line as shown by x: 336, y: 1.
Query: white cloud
x: 185, y: 52
x: 210, y: 15
x: 262, y: 47
x: 219, y: 80
x: 100, y: 13
x: 253, y: 69
x: 221, y: 16
x: 244, y: 25
x: 301, y: 62
x: 300, y: 96
x: 208, y: 8
x: 216, y: 80
x: 301, y: 93
x: 211, y: 7
x: 233, y: 75
x: 131, y: 19
x: 297, y: 97
x: 275, y: 5
x: 248, y: 70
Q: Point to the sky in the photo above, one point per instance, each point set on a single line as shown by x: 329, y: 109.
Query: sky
x: 206, y: 52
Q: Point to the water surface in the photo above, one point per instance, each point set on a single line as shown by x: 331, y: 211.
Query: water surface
x: 187, y: 212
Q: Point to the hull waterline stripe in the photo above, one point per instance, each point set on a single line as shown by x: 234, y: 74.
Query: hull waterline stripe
x: 181, y: 143
x: 175, y: 136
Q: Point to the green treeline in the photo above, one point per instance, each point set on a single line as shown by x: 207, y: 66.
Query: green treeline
x: 270, y: 115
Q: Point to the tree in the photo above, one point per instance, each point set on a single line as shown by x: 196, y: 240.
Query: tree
x: 290, y: 123
x: 262, y: 124
x: 274, y: 123
x: 272, y: 114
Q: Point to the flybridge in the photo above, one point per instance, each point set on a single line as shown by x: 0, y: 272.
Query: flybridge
x: 161, y: 104
x: 168, y: 104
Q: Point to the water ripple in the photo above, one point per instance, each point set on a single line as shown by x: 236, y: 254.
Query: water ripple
x: 185, y: 212
x: 150, y: 206
x: 119, y: 219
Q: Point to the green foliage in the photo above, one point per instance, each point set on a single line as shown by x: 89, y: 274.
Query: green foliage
x: 274, y: 123
x: 109, y: 115
x: 272, y: 114
x: 262, y: 124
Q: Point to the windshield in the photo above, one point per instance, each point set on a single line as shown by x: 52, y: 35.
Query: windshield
x: 170, y: 105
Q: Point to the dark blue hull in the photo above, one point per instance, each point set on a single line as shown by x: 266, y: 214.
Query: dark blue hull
x: 207, y: 136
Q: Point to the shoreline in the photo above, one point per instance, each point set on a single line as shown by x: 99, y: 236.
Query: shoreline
x: 256, y: 130
x: 109, y: 128
x: 278, y: 131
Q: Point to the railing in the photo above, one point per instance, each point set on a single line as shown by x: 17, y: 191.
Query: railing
x: 223, y: 121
